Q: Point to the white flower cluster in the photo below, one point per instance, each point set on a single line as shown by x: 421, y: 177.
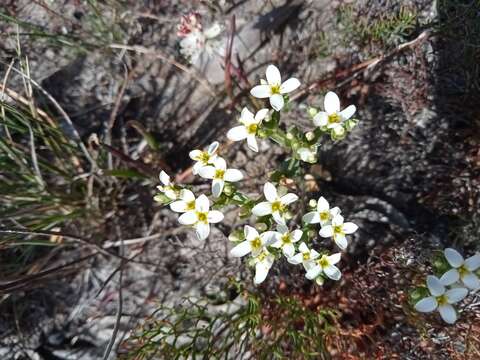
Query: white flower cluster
x: 460, y: 278
x: 273, y: 211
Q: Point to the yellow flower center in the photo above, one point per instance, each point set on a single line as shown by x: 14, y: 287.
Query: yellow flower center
x: 323, y: 262
x: 190, y: 205
x: 333, y: 118
x: 275, y: 89
x: 277, y: 206
x: 252, y: 128
x: 256, y: 243
x: 219, y: 174
x: 204, y: 157
x: 324, y: 216
x: 202, y: 216
x: 442, y: 300
x: 262, y: 256
x: 286, y: 239
x: 462, y: 270
x: 338, y: 229
x: 306, y: 256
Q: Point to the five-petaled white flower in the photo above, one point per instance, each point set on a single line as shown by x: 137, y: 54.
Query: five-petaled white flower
x: 285, y: 239
x: 441, y: 299
x: 306, y: 257
x: 204, y: 157
x: 263, y: 262
x: 275, y: 205
x: 462, y: 269
x: 201, y: 217
x: 254, y: 242
x: 219, y: 174
x: 338, y: 229
x: 168, y: 188
x: 274, y: 89
x: 185, y: 203
x: 332, y: 117
x: 323, y: 214
x: 249, y: 127
x: 325, y: 265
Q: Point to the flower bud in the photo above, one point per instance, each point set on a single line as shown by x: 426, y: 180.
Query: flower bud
x: 310, y: 135
x: 350, y: 124
x: 162, y: 199
x: 261, y: 227
x: 312, y: 203
x: 290, y: 136
x: 228, y: 189
x: 312, y: 111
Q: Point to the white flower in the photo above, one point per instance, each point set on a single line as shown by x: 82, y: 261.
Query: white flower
x: 332, y: 117
x: 201, y: 217
x: 274, y: 88
x: 168, y: 188
x: 204, y: 158
x: 263, y: 262
x: 306, y: 257
x: 325, y: 265
x: 254, y: 242
x: 441, y: 299
x: 462, y: 269
x: 275, y: 205
x: 285, y: 239
x: 186, y: 202
x: 249, y: 127
x: 219, y: 174
x: 308, y: 155
x: 323, y: 214
x: 338, y: 229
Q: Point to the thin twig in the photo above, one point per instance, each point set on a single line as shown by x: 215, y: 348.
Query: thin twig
x: 157, y: 54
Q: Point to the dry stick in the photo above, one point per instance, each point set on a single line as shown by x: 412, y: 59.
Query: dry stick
x: 66, y: 118
x: 157, y: 54
x: 228, y: 62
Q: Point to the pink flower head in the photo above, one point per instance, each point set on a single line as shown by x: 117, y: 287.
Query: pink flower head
x: 190, y: 22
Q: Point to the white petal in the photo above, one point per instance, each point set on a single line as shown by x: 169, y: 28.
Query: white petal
x: 337, y: 220
x: 349, y: 228
x: 247, y: 117
x: 188, y: 218
x: 233, y: 175
x: 288, y: 199
x: 313, y: 272
x: 453, y: 257
x: 278, y: 217
x: 270, y: 192
x: 320, y: 119
x: 241, y: 249
x: 296, y: 259
x: 322, y: 204
x: 450, y: 277
x: 207, y: 172
x: 471, y: 281
x: 261, y: 91
x: 179, y: 206
x: 456, y: 294
x: 288, y: 250
x: 220, y: 163
x: 334, y: 258
x: 164, y: 178
x: 427, y: 304
x: 213, y: 147
x: 289, y: 85
x: 261, y: 272
x: 448, y: 313
x: 473, y: 262
x: 170, y: 194
x: 214, y: 216
x: 331, y: 103
x: 213, y: 31
x: 217, y: 187
x: 252, y: 143
x: 332, y: 272
x: 348, y: 112
x: 262, y: 209
x: 335, y: 211
x: 341, y: 241
x: 260, y: 115
x: 282, y: 229
x: 435, y: 286
x: 196, y: 167
x: 202, y: 230
x: 312, y: 217
x: 273, y: 75
x: 187, y: 195
x: 297, y: 235
x: 237, y: 133
x: 277, y: 102
x: 250, y: 232
x: 195, y: 154
x: 268, y: 237
x: 277, y: 244
x: 303, y: 247
x: 202, y: 203
x: 326, y: 231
